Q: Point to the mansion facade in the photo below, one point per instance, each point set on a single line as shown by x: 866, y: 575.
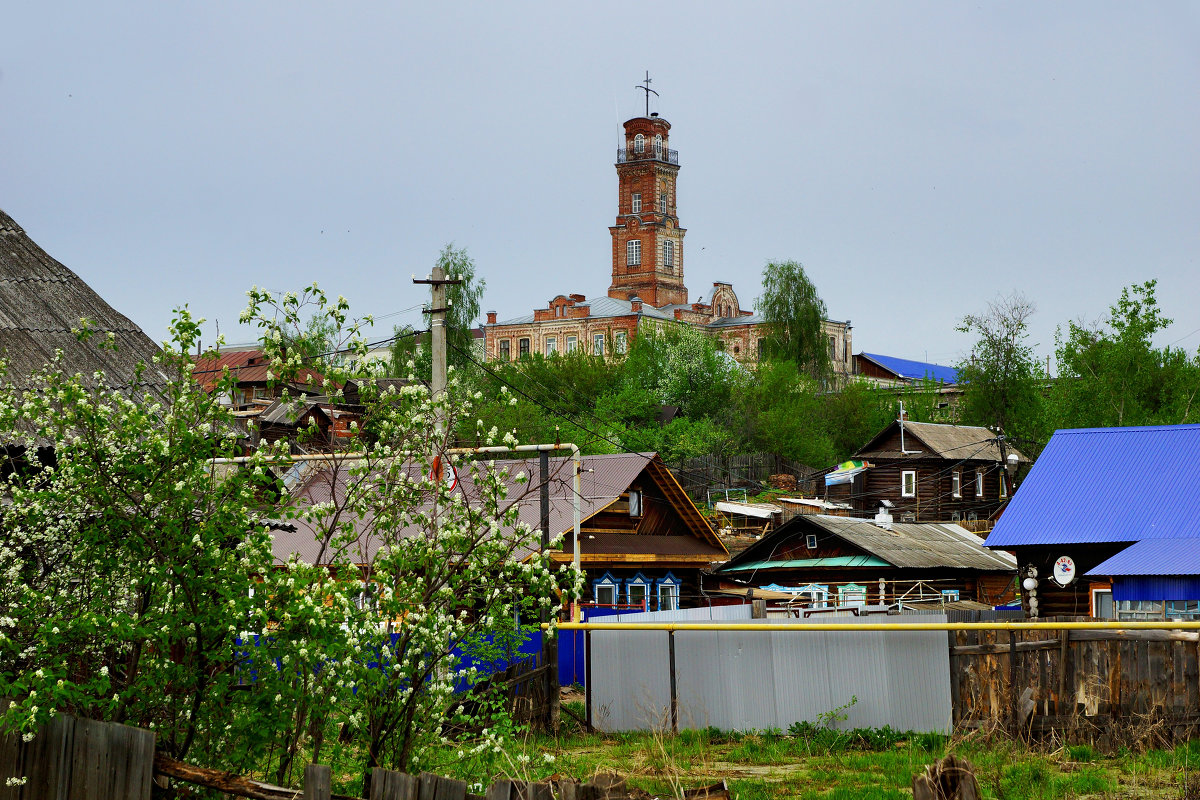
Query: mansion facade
x: 647, y: 288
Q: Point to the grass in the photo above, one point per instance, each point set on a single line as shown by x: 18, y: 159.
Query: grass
x: 838, y: 765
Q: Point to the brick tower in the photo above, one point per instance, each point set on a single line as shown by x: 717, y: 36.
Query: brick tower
x: 647, y: 255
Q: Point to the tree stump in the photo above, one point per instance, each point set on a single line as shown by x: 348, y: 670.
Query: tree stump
x: 952, y: 778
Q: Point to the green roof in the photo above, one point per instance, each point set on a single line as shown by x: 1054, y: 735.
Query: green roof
x: 829, y: 561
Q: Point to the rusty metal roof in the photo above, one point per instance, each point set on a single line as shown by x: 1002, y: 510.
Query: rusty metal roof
x: 246, y: 366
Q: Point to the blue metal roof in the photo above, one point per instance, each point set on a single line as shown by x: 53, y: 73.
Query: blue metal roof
x: 1108, y: 485
x: 914, y: 370
x: 1154, y: 557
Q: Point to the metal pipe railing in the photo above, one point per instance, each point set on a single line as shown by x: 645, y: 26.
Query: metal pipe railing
x: 877, y: 626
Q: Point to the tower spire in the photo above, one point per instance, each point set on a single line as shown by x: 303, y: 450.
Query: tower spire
x: 646, y: 88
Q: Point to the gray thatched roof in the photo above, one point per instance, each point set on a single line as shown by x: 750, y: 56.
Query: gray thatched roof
x: 41, y: 301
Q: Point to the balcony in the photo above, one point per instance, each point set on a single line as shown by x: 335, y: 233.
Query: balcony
x: 649, y: 154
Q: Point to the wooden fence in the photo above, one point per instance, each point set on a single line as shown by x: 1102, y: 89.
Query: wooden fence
x: 700, y: 475
x: 78, y: 759
x: 1095, y: 684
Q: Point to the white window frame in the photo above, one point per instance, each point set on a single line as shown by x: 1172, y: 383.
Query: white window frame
x: 1003, y: 485
x: 621, y: 342
x: 658, y: 147
x: 607, y: 581
x: 810, y: 541
x: 851, y: 595
x: 815, y: 594
x: 662, y: 202
x: 668, y: 253
x: 572, y: 344
x: 635, y: 502
x: 956, y: 484
x: 905, y: 476
x: 1095, y: 595
x: 671, y: 584
x: 551, y: 346
x: 639, y: 144
x: 633, y: 253
x: 597, y: 344
x: 635, y: 203
x: 979, y: 483
x: 637, y: 582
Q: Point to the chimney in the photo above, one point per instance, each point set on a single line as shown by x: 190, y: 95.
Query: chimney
x: 491, y: 318
x: 883, y: 519
x: 635, y: 304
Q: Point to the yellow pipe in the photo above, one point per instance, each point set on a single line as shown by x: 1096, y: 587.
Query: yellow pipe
x: 876, y: 626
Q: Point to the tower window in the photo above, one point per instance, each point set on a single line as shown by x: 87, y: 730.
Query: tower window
x: 633, y: 252
x: 662, y: 202
x: 636, y: 202
x: 668, y: 253
x: 639, y: 144
x: 658, y: 145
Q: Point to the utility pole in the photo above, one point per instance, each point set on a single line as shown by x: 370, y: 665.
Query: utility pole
x: 437, y: 387
x: 549, y: 645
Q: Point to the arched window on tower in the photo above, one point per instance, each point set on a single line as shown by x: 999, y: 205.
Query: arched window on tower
x: 639, y: 144
x: 658, y: 145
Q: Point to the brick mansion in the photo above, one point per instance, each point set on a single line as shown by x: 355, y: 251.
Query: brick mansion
x: 647, y: 288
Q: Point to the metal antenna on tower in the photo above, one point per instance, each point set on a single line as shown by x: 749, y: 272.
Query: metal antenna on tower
x: 647, y: 90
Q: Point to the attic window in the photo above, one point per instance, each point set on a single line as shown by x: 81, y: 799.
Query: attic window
x: 956, y: 484
x: 908, y: 483
x: 979, y: 483
x: 635, y: 503
x: 810, y: 541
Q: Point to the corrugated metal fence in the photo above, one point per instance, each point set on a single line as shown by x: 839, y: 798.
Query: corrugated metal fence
x: 747, y: 680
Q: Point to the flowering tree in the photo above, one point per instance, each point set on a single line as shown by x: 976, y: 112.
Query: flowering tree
x: 140, y: 582
x: 442, y: 571
x: 131, y: 566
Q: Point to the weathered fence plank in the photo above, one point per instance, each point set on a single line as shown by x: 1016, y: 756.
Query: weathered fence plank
x: 317, y: 782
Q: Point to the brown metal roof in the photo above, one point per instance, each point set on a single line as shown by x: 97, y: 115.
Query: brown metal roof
x: 604, y: 480
x: 41, y: 301
x: 246, y: 366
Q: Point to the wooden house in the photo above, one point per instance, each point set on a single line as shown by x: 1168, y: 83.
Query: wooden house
x: 827, y: 562
x: 642, y: 541
x: 254, y: 387
x: 1103, y: 525
x: 924, y: 472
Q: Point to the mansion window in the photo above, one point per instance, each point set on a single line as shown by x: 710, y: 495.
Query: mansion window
x: 551, y: 345
x: 598, y: 344
x: 908, y: 483
x: 621, y: 342
x: 833, y: 348
x: 633, y: 252
x: 636, y: 203
x: 572, y: 343
x: 669, y: 253
x: 639, y: 144
x: 523, y: 347
x: 505, y: 350
x: 662, y: 202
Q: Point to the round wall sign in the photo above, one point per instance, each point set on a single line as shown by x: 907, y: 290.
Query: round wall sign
x: 1064, y: 570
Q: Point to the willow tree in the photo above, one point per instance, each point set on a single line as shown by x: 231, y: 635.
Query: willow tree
x: 794, y: 314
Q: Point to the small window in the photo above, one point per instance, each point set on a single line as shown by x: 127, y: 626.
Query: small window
x: 956, y: 516
x: 505, y: 350
x: 668, y: 597
x: 606, y: 595
x: 636, y: 591
x: 908, y: 516
x: 658, y: 145
x: 1003, y: 486
x: 950, y: 595
x: 810, y: 541
x: 635, y: 503
x: 598, y: 344
x: 523, y: 347
x: 662, y: 202
x: 979, y: 484
x: 572, y: 344
x: 956, y: 484
x: 833, y: 348
x: 908, y: 483
x: 633, y: 252
x: 637, y: 203
x: 1102, y: 604
x: 852, y: 595
x: 668, y: 253
x: 551, y: 345
x: 621, y: 342
x: 639, y: 144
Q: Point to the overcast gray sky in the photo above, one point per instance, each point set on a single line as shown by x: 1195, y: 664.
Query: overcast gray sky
x: 919, y: 158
